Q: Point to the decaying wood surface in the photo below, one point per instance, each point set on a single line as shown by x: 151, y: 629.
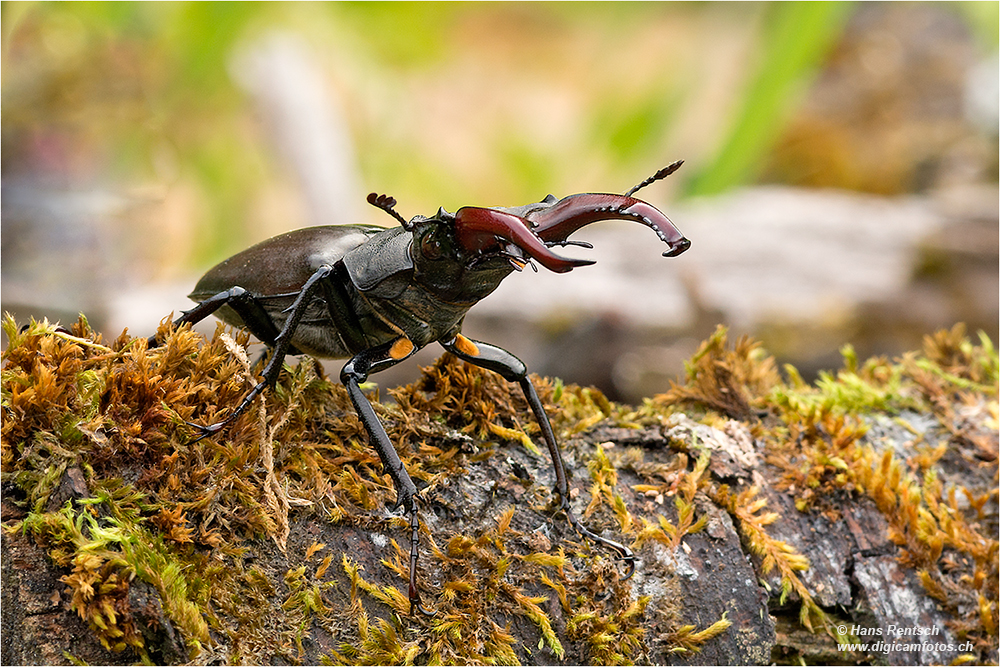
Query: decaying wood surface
x: 493, y: 552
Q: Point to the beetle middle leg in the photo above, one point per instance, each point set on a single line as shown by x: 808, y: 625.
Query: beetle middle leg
x: 355, y: 372
x: 513, y: 369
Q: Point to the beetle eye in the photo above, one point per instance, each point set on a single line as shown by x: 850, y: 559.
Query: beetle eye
x: 430, y: 246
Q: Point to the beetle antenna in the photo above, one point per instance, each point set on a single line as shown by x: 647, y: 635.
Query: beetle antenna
x: 386, y: 203
x: 661, y: 174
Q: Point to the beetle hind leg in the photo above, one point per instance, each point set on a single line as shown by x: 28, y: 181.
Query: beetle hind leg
x: 254, y: 316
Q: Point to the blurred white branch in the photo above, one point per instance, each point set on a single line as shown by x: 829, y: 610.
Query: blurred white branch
x: 304, y: 116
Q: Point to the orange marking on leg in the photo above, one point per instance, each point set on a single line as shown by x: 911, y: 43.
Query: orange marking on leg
x: 401, y: 348
x: 466, y: 346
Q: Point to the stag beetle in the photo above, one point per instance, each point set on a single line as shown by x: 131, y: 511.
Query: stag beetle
x: 375, y: 295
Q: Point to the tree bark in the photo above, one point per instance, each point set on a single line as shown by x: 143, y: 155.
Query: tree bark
x: 717, y: 580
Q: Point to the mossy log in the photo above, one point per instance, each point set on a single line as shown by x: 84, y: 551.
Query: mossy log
x: 772, y: 519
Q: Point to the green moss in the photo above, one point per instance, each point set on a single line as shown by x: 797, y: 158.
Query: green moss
x: 106, y: 553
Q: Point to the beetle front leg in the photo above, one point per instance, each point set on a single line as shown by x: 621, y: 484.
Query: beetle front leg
x: 513, y: 369
x: 354, y: 373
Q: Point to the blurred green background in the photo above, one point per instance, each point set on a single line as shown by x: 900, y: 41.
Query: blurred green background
x: 142, y: 142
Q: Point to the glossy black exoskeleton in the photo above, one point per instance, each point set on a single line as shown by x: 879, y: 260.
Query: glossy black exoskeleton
x: 375, y: 295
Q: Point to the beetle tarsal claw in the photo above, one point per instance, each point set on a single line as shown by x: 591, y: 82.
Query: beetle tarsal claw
x: 630, y: 564
x: 418, y: 606
x: 206, y: 431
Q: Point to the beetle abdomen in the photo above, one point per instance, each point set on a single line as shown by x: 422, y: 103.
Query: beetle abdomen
x: 282, y: 265
x: 274, y: 271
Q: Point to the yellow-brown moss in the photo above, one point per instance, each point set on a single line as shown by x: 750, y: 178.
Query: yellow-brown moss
x: 180, y: 514
x: 818, y: 443
x: 182, y: 518
x: 732, y: 382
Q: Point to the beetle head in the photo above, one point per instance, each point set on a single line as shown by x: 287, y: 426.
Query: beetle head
x: 459, y: 264
x: 463, y: 256
x: 468, y: 253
